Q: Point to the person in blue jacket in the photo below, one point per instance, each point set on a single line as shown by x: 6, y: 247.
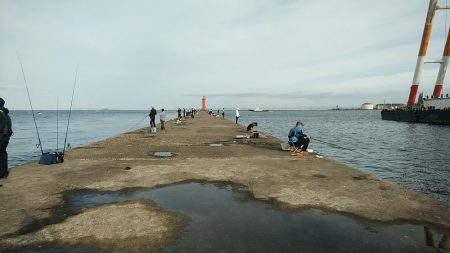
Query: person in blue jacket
x: 298, y: 137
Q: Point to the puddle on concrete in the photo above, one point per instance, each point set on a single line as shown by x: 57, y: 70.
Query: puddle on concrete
x: 163, y: 154
x: 222, y: 219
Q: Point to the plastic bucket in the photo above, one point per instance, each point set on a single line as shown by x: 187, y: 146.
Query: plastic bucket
x: 299, y: 154
x: 285, y: 146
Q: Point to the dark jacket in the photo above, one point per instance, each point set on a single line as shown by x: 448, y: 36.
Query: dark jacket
x: 152, y: 113
x: 5, y: 124
x: 249, y: 127
x: 298, y: 134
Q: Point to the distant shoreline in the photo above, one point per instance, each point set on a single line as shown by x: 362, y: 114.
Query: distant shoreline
x: 142, y: 110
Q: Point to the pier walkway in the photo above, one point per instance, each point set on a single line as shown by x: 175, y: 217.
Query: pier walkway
x: 33, y: 199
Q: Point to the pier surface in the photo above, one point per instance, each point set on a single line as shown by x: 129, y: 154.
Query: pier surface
x: 33, y: 197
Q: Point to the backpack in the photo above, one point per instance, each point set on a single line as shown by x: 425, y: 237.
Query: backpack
x: 6, y: 131
x: 291, y: 133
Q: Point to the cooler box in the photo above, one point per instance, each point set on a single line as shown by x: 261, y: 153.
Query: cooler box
x: 51, y: 158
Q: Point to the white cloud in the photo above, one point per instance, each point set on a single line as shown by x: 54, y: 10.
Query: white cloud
x: 157, y: 52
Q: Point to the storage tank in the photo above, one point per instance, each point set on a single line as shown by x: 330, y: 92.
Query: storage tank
x: 367, y: 106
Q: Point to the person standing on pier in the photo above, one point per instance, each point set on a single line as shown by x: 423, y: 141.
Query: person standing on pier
x: 184, y: 112
x: 298, y: 137
x: 223, y: 113
x: 162, y: 119
x: 152, y: 115
x: 237, y: 115
x: 5, y: 134
x: 179, y: 113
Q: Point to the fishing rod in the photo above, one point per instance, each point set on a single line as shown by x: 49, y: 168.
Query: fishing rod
x: 57, y: 123
x: 70, y: 110
x: 341, y: 147
x: 332, y: 144
x: 31, y: 105
x: 131, y: 128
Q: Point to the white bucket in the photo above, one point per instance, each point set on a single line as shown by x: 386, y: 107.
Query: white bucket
x: 285, y: 146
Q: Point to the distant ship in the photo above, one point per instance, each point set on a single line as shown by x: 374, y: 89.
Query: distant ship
x: 434, y: 110
x: 427, y: 110
x: 257, y: 109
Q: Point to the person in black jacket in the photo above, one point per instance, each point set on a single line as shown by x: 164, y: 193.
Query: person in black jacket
x: 5, y: 134
x: 152, y: 115
x: 179, y: 113
x: 252, y: 127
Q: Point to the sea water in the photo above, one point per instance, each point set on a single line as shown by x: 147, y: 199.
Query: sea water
x: 414, y: 155
x: 85, y: 127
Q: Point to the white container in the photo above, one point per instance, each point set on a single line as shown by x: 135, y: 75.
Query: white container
x: 285, y: 146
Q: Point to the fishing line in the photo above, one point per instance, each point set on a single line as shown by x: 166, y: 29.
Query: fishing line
x: 70, y: 110
x: 332, y: 144
x: 341, y: 147
x: 131, y: 128
x: 31, y: 105
x: 57, y: 124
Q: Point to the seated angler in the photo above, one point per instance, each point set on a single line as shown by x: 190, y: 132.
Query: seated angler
x: 298, y: 137
x: 252, y: 127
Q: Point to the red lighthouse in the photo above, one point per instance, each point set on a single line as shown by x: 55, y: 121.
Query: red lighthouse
x: 203, y: 103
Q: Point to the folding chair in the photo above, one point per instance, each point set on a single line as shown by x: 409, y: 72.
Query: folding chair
x: 293, y: 148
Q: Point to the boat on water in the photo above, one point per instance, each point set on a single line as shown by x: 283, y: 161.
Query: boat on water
x: 434, y: 110
x: 427, y: 110
x: 257, y: 109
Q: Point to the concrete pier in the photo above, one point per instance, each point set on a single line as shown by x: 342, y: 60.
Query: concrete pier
x: 33, y: 197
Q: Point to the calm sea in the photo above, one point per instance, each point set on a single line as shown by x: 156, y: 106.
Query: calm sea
x: 85, y: 127
x: 414, y: 155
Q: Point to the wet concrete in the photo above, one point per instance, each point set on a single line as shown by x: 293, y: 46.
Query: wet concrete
x: 139, y: 226
x: 33, y: 192
x: 223, y: 219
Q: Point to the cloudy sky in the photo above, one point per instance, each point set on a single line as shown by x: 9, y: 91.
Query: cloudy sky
x: 274, y: 54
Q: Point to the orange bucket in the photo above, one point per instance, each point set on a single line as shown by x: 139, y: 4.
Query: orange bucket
x: 299, y: 154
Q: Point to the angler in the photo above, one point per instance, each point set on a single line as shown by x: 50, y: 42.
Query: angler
x: 5, y: 133
x: 298, y: 137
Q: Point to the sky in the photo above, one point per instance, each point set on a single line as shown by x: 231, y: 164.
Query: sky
x: 282, y: 54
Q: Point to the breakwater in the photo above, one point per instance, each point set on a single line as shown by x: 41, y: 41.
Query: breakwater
x: 38, y: 199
